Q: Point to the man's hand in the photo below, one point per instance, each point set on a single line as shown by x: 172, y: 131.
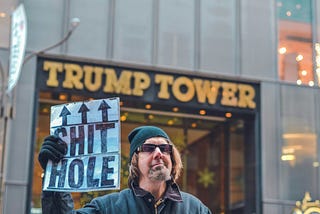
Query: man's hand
x: 53, y: 148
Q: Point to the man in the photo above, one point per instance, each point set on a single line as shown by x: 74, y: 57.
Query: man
x: 155, y: 165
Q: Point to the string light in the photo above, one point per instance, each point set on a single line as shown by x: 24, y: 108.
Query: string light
x: 304, y: 73
x: 202, y: 112
x: 299, y: 82
x: 228, y: 115
x: 123, y: 118
x: 175, y: 109
x: 299, y: 58
x: 282, y: 50
x: 311, y: 83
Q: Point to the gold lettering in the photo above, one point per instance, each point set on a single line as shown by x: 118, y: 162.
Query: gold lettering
x: 246, y: 96
x: 113, y: 85
x: 141, y: 81
x: 206, y: 89
x: 92, y: 77
x: 228, y: 94
x: 136, y: 83
x: 176, y: 89
x: 53, y: 68
x: 164, y: 81
x: 73, y: 76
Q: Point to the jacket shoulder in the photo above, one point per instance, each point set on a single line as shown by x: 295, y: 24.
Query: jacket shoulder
x: 109, y: 203
x: 193, y: 203
x: 114, y: 197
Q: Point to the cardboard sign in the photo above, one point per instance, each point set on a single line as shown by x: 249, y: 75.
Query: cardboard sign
x: 92, y: 132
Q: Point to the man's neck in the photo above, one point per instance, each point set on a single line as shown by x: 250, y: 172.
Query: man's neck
x: 156, y: 188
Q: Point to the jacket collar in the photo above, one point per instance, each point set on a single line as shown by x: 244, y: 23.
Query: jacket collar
x: 172, y: 192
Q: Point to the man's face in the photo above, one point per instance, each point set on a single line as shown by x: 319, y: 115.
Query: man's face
x: 155, y: 165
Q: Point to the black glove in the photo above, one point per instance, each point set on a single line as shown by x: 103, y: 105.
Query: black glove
x: 53, y: 148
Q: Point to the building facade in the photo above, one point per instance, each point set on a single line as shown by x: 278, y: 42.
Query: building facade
x: 234, y: 83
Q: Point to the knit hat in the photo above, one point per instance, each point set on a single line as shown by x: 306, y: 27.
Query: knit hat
x: 139, y: 135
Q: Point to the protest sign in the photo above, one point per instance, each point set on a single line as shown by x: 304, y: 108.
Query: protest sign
x: 91, y: 131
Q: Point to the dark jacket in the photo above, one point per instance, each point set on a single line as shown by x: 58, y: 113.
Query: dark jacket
x: 137, y: 201
x: 56, y: 203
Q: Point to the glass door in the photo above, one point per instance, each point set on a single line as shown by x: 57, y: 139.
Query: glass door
x: 220, y: 166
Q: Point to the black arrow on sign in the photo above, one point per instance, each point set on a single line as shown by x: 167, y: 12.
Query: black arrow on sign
x: 64, y: 113
x: 104, y: 108
x: 83, y: 110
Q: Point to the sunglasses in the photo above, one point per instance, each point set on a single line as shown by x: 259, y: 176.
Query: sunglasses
x: 164, y: 148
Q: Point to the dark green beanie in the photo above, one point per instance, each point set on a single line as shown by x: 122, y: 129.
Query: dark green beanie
x: 139, y: 135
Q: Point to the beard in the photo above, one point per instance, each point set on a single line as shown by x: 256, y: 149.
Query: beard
x: 159, y: 173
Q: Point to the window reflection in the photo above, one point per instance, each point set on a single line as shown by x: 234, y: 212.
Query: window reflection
x: 299, y: 163
x: 295, y: 42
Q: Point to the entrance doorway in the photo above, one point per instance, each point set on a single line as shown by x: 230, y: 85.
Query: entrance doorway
x: 218, y: 153
x: 219, y: 156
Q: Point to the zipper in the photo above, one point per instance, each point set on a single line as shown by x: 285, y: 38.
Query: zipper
x: 156, y: 205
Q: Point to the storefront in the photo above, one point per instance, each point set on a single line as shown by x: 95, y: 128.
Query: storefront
x: 235, y: 83
x: 213, y: 121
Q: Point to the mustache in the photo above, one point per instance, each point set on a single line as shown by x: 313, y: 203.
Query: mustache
x: 157, y: 163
